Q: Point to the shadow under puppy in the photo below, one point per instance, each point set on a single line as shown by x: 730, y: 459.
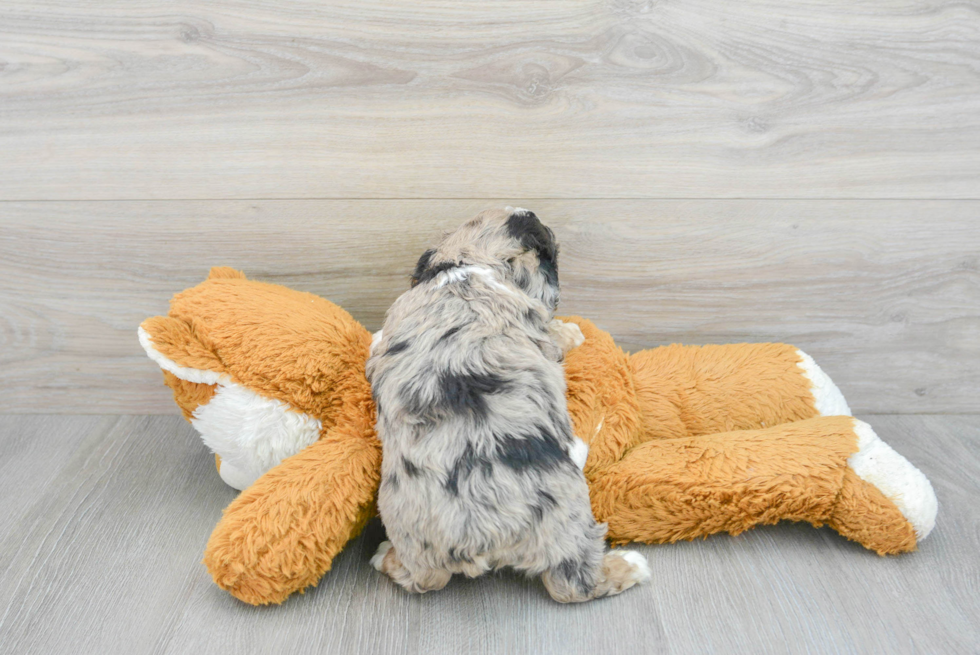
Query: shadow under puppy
x: 481, y: 468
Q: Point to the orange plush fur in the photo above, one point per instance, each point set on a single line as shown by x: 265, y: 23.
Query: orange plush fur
x: 685, y: 441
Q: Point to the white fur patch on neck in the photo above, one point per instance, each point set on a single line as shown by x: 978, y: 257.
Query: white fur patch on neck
x: 461, y: 273
x: 458, y: 274
x: 897, y: 478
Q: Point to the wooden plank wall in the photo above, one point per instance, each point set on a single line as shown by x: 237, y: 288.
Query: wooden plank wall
x: 717, y: 171
x: 884, y: 301
x: 439, y: 98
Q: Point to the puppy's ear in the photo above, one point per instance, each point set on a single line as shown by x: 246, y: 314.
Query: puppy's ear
x: 533, y: 235
x: 422, y: 265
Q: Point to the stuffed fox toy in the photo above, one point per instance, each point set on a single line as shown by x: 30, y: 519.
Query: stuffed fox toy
x: 684, y: 441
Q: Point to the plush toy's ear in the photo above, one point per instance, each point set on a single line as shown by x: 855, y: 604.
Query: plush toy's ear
x: 422, y: 266
x: 225, y: 273
x: 190, y: 369
x: 172, y: 344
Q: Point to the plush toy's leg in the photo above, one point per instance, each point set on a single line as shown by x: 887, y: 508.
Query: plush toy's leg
x: 828, y: 470
x: 281, y: 534
x: 876, y: 479
x: 694, y: 390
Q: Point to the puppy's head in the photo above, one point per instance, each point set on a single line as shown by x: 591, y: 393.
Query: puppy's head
x: 513, y: 243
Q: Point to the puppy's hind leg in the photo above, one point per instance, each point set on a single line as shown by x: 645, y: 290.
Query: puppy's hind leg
x: 387, y: 561
x: 577, y: 581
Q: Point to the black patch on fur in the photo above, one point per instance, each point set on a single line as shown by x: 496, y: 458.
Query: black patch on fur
x: 410, y: 468
x: 433, y: 271
x: 550, y: 270
x: 464, y: 466
x: 412, y: 395
x: 547, y: 503
x: 450, y: 332
x: 541, y: 451
x: 465, y: 393
x: 533, y: 318
x: 533, y: 235
x: 392, y: 481
x: 575, y: 572
x: 396, y: 347
x: 455, y: 557
x: 422, y: 265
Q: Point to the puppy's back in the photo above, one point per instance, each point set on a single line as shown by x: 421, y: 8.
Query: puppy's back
x: 476, y: 434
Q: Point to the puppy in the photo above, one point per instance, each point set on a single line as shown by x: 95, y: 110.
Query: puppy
x: 481, y: 469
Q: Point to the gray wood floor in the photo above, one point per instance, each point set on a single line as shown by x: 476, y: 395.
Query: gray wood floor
x: 104, y: 518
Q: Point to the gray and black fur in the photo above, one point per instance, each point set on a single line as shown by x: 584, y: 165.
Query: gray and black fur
x: 481, y: 468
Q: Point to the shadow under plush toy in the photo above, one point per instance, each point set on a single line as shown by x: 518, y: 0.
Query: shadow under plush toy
x: 684, y: 441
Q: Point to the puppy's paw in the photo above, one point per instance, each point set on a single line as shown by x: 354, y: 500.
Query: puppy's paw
x: 639, y: 564
x: 566, y: 335
x: 576, y: 338
x: 378, y: 560
x: 623, y: 569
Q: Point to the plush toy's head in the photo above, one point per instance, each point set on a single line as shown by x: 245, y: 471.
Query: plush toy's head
x: 244, y: 357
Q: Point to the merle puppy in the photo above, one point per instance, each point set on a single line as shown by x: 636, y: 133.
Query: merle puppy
x: 481, y: 469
